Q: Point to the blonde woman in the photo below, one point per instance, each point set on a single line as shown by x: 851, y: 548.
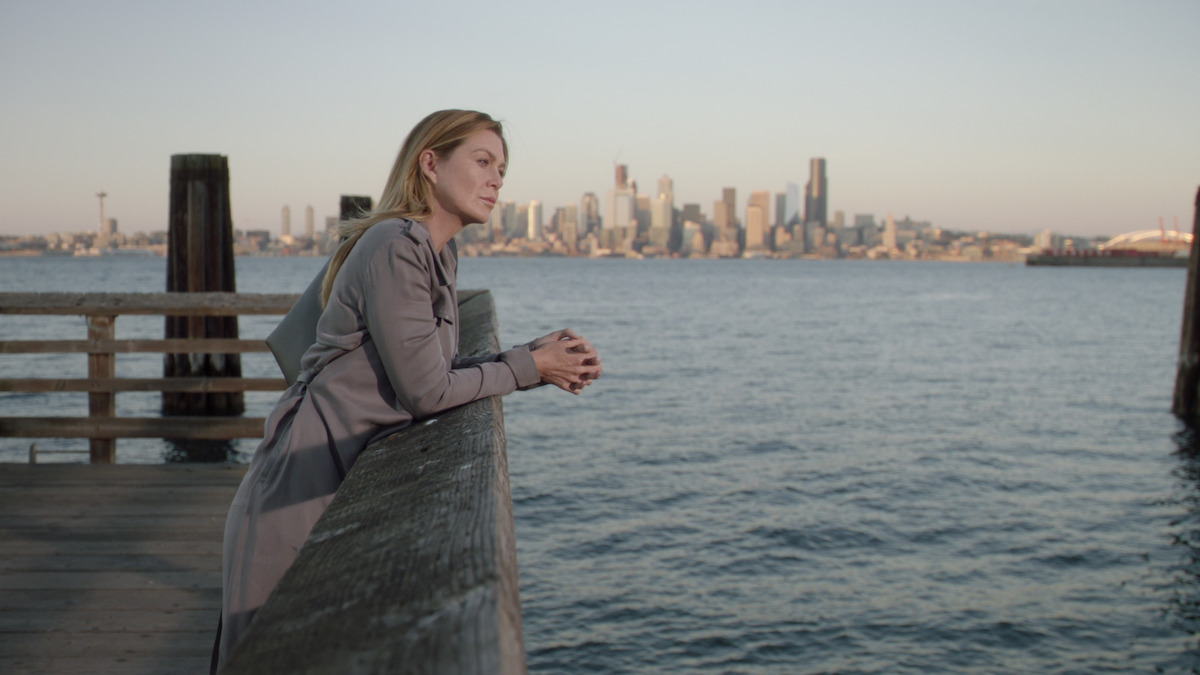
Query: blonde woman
x: 385, y: 353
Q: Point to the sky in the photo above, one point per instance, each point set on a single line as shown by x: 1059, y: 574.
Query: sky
x: 1014, y: 116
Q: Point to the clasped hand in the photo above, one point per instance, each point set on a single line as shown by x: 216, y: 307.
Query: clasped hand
x: 566, y: 359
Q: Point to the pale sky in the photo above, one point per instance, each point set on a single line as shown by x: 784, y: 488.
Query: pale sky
x: 1079, y: 116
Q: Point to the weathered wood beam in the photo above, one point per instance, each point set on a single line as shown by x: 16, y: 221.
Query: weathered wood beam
x: 198, y: 428
x: 177, y: 304
x: 145, y: 384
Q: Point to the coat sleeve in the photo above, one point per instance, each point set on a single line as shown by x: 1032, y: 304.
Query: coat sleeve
x: 398, y: 309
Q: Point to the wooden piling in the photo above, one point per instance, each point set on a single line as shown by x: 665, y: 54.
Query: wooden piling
x: 1187, y: 379
x: 200, y: 259
x: 354, y: 206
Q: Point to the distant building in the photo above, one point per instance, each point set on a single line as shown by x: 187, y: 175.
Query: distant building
x: 792, y: 209
x: 661, y: 216
x: 761, y: 199
x: 285, y: 227
x: 816, y: 196
x: 534, y: 232
x: 589, y: 207
x: 890, y: 234
x: 309, y: 228
x: 756, y: 225
x: 780, y: 209
x: 568, y: 226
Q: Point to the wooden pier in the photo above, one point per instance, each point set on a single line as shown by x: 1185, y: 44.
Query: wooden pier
x: 111, y: 568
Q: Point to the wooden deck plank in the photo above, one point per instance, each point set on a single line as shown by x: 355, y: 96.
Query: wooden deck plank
x: 111, y: 568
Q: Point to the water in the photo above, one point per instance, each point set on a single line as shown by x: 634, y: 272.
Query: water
x: 810, y: 466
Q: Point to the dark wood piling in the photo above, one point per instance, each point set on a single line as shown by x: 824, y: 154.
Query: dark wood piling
x: 1187, y: 378
x: 200, y: 259
x: 354, y: 206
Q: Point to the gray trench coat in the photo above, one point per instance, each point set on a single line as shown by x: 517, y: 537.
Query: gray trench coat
x: 384, y: 356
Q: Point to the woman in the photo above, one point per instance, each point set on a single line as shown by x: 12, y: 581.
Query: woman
x: 385, y: 353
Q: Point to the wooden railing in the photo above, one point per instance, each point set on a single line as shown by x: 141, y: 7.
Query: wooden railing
x: 413, y: 567
x: 102, y: 426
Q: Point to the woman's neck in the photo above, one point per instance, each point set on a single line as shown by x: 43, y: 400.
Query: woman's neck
x: 442, y: 228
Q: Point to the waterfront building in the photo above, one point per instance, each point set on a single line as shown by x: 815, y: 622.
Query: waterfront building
x: 568, y: 226
x: 761, y: 199
x: 309, y: 226
x: 780, y: 209
x: 661, y: 216
x: 285, y: 227
x: 756, y: 225
x: 534, y: 232
x: 792, y: 209
x: 621, y: 208
x: 642, y: 214
x: 729, y: 196
x: 816, y: 200
x: 890, y: 238
x: 589, y: 207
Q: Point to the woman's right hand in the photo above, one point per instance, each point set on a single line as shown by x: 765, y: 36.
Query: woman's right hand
x: 567, y: 360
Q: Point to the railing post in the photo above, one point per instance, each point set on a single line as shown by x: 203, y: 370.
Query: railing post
x: 1186, y: 404
x: 102, y: 364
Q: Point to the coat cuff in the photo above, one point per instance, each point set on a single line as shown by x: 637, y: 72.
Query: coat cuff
x: 524, y: 368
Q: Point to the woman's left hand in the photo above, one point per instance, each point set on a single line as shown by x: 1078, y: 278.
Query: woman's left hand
x: 567, y: 360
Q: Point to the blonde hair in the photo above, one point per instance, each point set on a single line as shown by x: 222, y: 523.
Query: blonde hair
x: 408, y: 193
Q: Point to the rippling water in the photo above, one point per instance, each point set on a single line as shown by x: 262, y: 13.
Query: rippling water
x: 812, y: 466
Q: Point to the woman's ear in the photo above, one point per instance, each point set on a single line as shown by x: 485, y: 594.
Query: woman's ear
x: 428, y: 162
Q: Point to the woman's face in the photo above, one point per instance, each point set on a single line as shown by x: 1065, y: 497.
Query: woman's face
x: 466, y: 183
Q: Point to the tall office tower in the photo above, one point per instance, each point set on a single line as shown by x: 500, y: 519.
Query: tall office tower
x: 692, y: 212
x: 720, y: 215
x: 535, y: 221
x: 756, y: 225
x: 589, y: 205
x: 568, y: 226
x: 839, y: 220
x: 666, y: 187
x: 780, y: 209
x: 621, y: 208
x: 622, y: 176
x: 729, y: 196
x: 661, y: 217
x: 495, y: 224
x: 642, y: 212
x: 792, y: 210
x: 509, y: 220
x: 761, y: 199
x: 889, y: 233
x: 816, y: 196
x: 308, y: 221
x: 285, y: 228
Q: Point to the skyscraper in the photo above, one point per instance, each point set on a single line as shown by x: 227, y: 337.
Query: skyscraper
x: 285, y: 228
x: 761, y: 199
x: 792, y: 210
x: 729, y: 196
x: 756, y: 225
x: 535, y: 221
x: 622, y: 176
x: 816, y: 195
x: 589, y: 206
x: 309, y: 226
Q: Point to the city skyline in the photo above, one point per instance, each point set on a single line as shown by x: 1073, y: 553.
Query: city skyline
x: 1005, y: 116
